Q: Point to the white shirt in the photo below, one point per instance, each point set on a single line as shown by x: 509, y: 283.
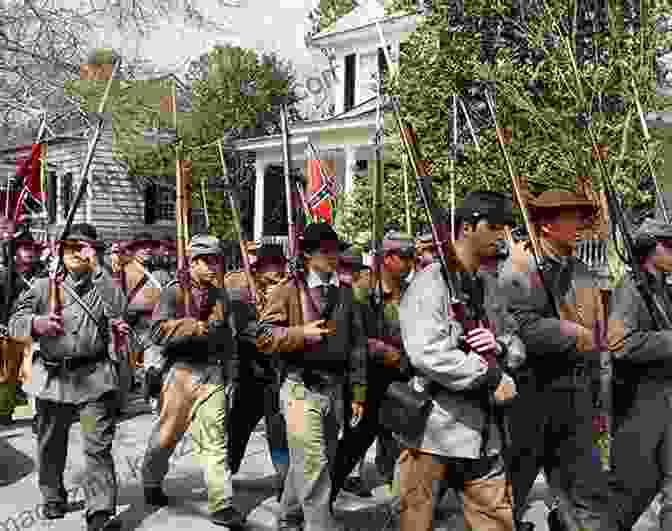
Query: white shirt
x: 314, y: 281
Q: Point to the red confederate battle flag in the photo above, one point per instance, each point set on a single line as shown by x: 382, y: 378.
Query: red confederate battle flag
x: 29, y: 175
x: 322, y: 189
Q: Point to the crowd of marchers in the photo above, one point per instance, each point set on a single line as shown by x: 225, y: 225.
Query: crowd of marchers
x: 470, y: 366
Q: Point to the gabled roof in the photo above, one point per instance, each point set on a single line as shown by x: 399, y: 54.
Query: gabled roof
x: 365, y: 107
x: 361, y: 16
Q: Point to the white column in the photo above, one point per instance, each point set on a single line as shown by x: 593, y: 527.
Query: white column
x: 350, y: 160
x: 260, y: 166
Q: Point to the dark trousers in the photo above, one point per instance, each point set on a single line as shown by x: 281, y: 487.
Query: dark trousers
x: 253, y: 400
x: 98, y: 424
x: 352, y: 447
x: 642, y: 456
x: 552, y: 428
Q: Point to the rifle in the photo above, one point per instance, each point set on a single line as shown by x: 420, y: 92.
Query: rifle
x: 377, y: 297
x: 533, y: 239
x: 57, y: 267
x: 661, y: 321
x: 441, y: 240
x: 235, y: 214
x: 292, y: 230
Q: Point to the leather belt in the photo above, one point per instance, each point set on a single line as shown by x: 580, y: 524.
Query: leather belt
x: 70, y: 363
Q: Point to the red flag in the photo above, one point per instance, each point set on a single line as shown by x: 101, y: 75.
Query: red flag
x: 322, y: 210
x: 28, y: 172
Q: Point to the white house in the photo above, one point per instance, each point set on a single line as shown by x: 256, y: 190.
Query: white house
x: 347, y: 137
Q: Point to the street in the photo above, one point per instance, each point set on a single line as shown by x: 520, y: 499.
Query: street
x: 20, y: 498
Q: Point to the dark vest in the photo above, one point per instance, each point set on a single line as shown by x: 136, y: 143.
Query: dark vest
x: 332, y: 354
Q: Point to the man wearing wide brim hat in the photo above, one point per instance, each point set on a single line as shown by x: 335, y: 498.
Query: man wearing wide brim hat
x: 76, y: 370
x: 142, y: 288
x: 313, y: 328
x: 200, y: 346
x: 560, y: 349
x: 642, y: 444
x: 25, y: 251
x: 258, y: 395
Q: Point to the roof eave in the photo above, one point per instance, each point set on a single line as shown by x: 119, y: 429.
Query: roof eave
x: 326, y: 37
x: 301, y: 132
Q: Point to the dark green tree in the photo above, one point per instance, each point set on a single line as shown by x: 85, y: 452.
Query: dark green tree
x: 233, y: 91
x: 553, y: 68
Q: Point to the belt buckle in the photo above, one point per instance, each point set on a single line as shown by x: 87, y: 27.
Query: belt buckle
x: 68, y: 363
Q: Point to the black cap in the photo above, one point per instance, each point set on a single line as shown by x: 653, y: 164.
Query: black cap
x: 270, y: 253
x: 85, y: 232
x: 318, y: 233
x: 496, y: 207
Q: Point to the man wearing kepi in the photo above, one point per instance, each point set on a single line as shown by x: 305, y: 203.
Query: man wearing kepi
x: 75, y: 370
x: 552, y: 420
x: 314, y: 328
x: 461, y: 442
x: 201, y: 343
x: 642, y: 447
x: 388, y: 362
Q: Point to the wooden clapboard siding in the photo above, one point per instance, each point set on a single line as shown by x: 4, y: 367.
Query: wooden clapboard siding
x: 117, y: 199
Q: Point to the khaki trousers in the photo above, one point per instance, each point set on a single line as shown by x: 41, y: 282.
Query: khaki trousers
x: 487, y: 502
x: 201, y: 407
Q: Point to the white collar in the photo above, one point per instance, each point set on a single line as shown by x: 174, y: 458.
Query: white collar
x: 313, y: 280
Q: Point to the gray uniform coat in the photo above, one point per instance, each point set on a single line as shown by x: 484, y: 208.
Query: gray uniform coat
x: 82, y: 338
x: 431, y: 337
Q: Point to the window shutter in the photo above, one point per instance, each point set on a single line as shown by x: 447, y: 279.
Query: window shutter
x: 52, y: 203
x: 151, y: 203
x: 350, y: 76
x: 66, y: 193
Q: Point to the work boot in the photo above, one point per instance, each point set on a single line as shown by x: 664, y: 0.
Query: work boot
x: 55, y: 510
x: 102, y: 521
x: 155, y: 496
x: 229, y: 517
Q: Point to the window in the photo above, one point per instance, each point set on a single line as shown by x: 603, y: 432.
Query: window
x: 52, y: 204
x: 166, y: 201
x: 66, y: 193
x: 350, y: 76
x: 382, y: 61
x: 160, y: 200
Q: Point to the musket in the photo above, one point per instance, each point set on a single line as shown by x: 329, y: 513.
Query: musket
x: 661, y: 320
x: 235, y: 214
x: 292, y: 231
x: 533, y: 238
x: 440, y: 236
x: 56, y: 269
x: 377, y: 297
x: 647, y: 138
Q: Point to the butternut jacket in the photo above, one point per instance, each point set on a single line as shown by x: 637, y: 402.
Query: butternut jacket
x: 253, y: 364
x: 280, y: 333
x: 228, y: 321
x: 551, y: 352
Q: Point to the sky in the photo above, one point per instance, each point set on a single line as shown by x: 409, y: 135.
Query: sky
x: 270, y: 25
